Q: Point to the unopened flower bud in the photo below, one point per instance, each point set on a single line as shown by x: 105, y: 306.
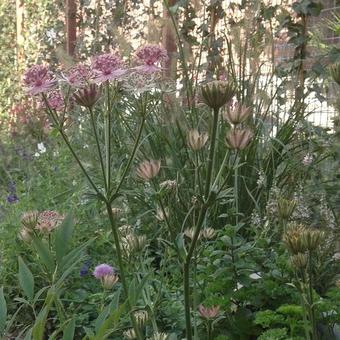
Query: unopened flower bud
x: 30, y: 219
x: 159, y: 336
x: 208, y: 312
x: 208, y: 233
x: 237, y: 114
x: 87, y: 96
x: 239, y: 139
x: 148, y: 169
x: 130, y: 334
x: 285, y: 208
x: 293, y: 238
x: 217, y: 93
x: 108, y: 281
x: 196, y: 141
x: 25, y: 235
x: 134, y: 243
x: 190, y: 232
x: 141, y: 317
x: 312, y: 239
x: 162, y: 215
x: 335, y: 72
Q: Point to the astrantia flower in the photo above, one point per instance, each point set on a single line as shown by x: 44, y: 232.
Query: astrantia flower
x: 107, y: 67
x: 55, y: 100
x: 48, y: 220
x: 79, y: 75
x: 38, y: 79
x: 208, y: 312
x: 148, y: 169
x: 102, y: 270
x: 150, y: 57
x: 139, y: 82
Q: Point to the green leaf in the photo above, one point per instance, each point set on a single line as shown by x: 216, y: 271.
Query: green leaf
x: 26, y: 279
x: 3, y: 311
x: 44, y: 254
x: 63, y: 236
x: 69, y: 330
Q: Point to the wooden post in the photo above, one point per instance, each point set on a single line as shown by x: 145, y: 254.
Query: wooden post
x: 169, y: 42
x: 19, y: 5
x: 71, y: 26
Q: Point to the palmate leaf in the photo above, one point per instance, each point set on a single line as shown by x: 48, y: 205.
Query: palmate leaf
x: 26, y: 279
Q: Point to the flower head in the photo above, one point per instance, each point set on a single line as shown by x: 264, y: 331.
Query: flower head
x: 237, y: 114
x: 196, y: 140
x: 29, y: 219
x: 148, y: 169
x: 208, y: 312
x: 48, y: 220
x: 38, y: 79
x: 55, y: 100
x: 103, y: 270
x: 238, y: 139
x: 87, y: 96
x: 107, y: 67
x: 150, y: 57
x: 79, y: 75
x: 217, y: 93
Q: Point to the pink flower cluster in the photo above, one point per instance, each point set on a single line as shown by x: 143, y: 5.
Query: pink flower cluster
x: 105, y: 67
x: 56, y: 100
x: 38, y: 79
x: 48, y: 220
x: 150, y: 56
x: 79, y: 75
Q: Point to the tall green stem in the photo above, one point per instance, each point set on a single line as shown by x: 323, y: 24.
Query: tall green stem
x: 108, y: 140
x: 236, y: 193
x: 201, y: 217
x: 98, y: 147
x: 121, y: 267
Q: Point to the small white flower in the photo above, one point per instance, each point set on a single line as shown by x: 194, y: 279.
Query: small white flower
x: 51, y: 35
x: 308, y: 159
x: 41, y: 148
x: 255, y: 276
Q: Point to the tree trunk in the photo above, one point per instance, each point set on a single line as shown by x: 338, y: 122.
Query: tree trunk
x: 169, y: 42
x: 71, y: 26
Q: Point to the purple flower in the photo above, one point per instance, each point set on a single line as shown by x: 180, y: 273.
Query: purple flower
x: 103, y: 270
x: 38, y: 79
x: 107, y: 67
x: 85, y: 268
x: 12, y: 198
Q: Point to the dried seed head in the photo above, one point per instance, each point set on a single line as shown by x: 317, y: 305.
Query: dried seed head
x: 87, y: 96
x: 196, y: 141
x: 148, y: 169
x: 238, y: 139
x: 168, y: 184
x: 237, y: 114
x: 217, y: 93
